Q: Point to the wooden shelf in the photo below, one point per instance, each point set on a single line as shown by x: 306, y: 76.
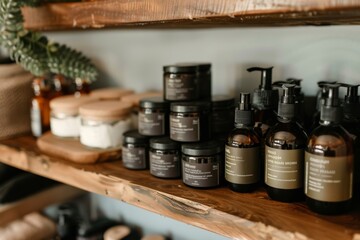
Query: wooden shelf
x: 235, y: 215
x: 189, y: 13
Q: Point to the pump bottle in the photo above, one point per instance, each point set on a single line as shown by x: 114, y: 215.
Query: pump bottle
x: 329, y: 160
x: 284, y: 152
x: 242, y: 150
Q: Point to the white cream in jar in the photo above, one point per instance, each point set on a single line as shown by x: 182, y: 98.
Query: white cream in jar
x: 103, y: 123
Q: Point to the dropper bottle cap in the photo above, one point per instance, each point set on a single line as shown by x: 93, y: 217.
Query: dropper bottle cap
x: 331, y: 111
x: 264, y: 97
x: 351, y: 101
x: 286, y: 108
x: 243, y: 113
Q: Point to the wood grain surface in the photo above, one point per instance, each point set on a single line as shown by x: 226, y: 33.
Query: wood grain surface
x: 72, y: 150
x: 190, y: 13
x: 234, y: 215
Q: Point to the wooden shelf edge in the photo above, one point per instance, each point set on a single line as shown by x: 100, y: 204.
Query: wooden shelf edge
x: 189, y: 13
x: 218, y: 210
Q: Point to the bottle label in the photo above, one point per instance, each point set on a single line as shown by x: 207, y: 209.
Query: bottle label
x: 201, y: 174
x: 36, y: 126
x: 166, y: 166
x: 284, y: 169
x: 185, y: 129
x: 134, y: 158
x: 181, y: 88
x: 242, y: 165
x: 151, y: 124
x: 329, y: 179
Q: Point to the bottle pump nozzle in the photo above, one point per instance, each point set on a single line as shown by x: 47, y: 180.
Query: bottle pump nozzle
x: 266, y: 76
x: 351, y: 101
x: 287, y: 102
x: 243, y: 113
x: 331, y: 110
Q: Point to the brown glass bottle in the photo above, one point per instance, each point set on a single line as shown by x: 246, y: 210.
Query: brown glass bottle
x: 82, y: 87
x: 40, y: 107
x: 284, y: 152
x: 60, y: 86
x: 329, y: 160
x: 242, y: 150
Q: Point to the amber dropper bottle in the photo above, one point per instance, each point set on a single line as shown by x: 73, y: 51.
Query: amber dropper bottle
x: 242, y: 150
x: 284, y: 152
x: 329, y: 160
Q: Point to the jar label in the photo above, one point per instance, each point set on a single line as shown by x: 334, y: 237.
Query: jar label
x: 284, y: 169
x: 185, y: 129
x: 134, y: 158
x: 152, y: 124
x: 242, y: 165
x: 166, y: 166
x: 181, y: 88
x: 201, y: 174
x: 36, y: 123
x: 329, y: 179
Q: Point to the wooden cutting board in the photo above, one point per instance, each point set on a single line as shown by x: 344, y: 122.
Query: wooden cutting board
x: 72, y: 150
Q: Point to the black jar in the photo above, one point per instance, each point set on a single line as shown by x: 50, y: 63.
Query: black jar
x: 165, y: 156
x: 181, y: 82
x: 135, y: 150
x: 223, y: 110
x: 204, y: 75
x: 203, y: 164
x: 190, y: 121
x: 154, y: 116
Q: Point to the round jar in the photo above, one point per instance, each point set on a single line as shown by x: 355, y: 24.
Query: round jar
x: 103, y: 123
x: 135, y: 150
x: 181, y: 82
x: 65, y: 119
x: 165, y: 158
x: 202, y: 164
x: 134, y: 99
x: 223, y: 114
x: 110, y: 93
x: 153, y: 116
x: 190, y: 121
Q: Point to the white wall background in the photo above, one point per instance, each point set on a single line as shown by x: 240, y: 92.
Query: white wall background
x: 134, y: 59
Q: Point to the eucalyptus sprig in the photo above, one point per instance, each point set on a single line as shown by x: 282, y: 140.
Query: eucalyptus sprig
x: 33, y: 51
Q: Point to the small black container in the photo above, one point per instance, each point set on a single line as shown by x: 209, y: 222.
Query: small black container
x: 154, y: 116
x: 223, y: 108
x: 165, y: 158
x: 181, y: 82
x: 190, y: 121
x: 135, y: 150
x: 202, y: 164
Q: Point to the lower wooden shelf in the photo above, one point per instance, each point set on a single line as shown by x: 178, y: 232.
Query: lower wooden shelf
x: 234, y: 215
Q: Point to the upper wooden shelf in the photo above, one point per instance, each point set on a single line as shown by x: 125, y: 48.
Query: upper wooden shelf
x: 234, y: 215
x: 190, y: 13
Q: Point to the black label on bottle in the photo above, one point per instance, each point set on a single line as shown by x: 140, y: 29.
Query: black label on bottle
x: 134, y: 158
x: 201, y: 174
x: 181, y: 89
x: 186, y: 129
x: 165, y: 166
x: 152, y: 124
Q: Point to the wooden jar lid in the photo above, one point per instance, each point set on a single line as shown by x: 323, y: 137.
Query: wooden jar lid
x: 105, y: 110
x: 153, y: 237
x: 69, y: 104
x: 110, y: 93
x: 134, y: 99
x: 117, y: 233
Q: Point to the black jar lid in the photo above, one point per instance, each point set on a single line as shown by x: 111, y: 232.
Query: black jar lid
x: 203, y: 148
x: 154, y: 102
x: 133, y: 136
x: 202, y: 67
x: 189, y: 107
x: 181, y: 68
x: 221, y: 101
x: 164, y: 143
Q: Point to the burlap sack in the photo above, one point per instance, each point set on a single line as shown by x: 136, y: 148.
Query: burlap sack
x: 15, y: 100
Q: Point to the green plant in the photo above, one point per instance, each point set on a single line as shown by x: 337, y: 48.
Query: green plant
x: 34, y: 51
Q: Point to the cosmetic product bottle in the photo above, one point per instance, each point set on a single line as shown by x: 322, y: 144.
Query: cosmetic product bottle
x: 284, y: 152
x: 329, y: 160
x: 242, y: 150
x: 59, y: 86
x: 82, y: 87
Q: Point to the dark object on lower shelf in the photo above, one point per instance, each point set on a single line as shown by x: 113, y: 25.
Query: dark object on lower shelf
x: 329, y: 208
x: 95, y: 229
x: 7, y: 172
x: 23, y: 186
x: 286, y: 195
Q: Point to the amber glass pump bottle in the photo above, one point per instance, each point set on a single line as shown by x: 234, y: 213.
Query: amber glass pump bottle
x: 329, y: 160
x: 284, y: 152
x: 242, y: 150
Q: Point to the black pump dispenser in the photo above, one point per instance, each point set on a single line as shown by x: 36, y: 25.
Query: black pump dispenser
x: 243, y: 113
x: 286, y: 109
x: 351, y: 101
x: 331, y: 111
x: 264, y: 97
